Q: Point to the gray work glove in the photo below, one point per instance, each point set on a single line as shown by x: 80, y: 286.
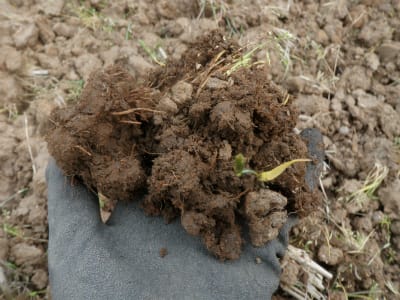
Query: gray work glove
x: 120, y: 260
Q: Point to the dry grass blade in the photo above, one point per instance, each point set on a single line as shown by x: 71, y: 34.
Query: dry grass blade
x: 244, y: 61
x: 12, y: 197
x: 159, y: 58
x: 83, y: 150
x: 4, y: 287
x: 354, y: 240
x: 130, y: 122
x: 134, y: 110
x: 28, y: 143
x: 206, y: 74
x: 371, y: 183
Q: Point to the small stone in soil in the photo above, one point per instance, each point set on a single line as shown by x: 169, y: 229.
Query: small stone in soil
x: 344, y: 130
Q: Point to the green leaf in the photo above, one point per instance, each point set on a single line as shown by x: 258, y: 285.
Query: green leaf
x: 10, y: 265
x: 11, y: 230
x: 272, y: 174
x: 240, y: 161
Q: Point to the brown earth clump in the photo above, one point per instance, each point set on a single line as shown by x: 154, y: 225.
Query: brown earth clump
x: 174, y: 136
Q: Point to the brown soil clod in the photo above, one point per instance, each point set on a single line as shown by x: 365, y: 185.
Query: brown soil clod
x: 163, y: 252
x: 174, y: 138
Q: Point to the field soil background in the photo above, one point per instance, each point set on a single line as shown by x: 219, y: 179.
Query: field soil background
x: 339, y: 60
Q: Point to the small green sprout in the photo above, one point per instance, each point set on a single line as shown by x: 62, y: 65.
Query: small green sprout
x: 75, y: 88
x: 390, y: 255
x: 11, y: 265
x: 371, y: 183
x: 92, y: 18
x: 12, y: 111
x: 239, y: 168
x: 128, y: 32
x: 374, y: 292
x: 396, y: 142
x: 11, y: 230
x: 354, y: 240
x: 36, y: 293
x: 386, y: 223
x: 284, y: 42
x: 244, y: 61
x: 231, y: 26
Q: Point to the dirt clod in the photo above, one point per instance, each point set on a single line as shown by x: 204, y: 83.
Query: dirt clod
x: 26, y: 36
x: 3, y: 248
x: 25, y: 253
x: 330, y: 255
x: 173, y: 138
x: 265, y: 211
x: 163, y: 252
x: 39, y: 279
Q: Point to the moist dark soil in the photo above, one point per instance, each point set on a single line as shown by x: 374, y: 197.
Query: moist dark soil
x: 173, y: 137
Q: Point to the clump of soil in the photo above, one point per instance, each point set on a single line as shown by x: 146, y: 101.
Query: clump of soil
x: 173, y: 138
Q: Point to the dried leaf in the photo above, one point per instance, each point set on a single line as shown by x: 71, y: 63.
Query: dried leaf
x: 272, y: 174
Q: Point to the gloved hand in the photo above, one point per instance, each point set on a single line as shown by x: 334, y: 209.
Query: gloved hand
x: 120, y: 260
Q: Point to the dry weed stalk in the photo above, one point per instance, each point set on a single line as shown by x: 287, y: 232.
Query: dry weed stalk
x: 29, y: 144
x: 316, y: 274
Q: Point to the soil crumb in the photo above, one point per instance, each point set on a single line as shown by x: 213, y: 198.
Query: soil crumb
x: 173, y: 138
x: 163, y: 252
